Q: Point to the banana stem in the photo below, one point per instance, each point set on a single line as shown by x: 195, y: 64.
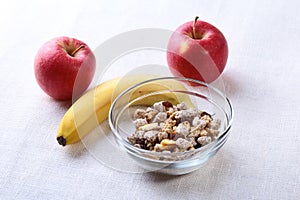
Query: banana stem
x: 61, y: 140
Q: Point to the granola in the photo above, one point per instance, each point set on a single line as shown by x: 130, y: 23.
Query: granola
x: 173, y: 128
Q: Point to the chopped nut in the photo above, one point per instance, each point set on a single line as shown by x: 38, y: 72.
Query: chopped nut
x: 206, y: 118
x: 170, y: 111
x: 175, y: 118
x: 167, y: 142
x: 203, y: 133
x: 162, y: 135
x: 148, y: 127
x: 166, y: 145
x: 169, y: 124
x: 195, y: 132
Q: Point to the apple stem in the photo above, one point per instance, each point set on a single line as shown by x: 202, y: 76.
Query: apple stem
x: 194, y: 27
x: 76, y: 50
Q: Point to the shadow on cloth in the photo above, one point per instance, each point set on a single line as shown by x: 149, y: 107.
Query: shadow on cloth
x: 206, y: 178
x: 232, y: 84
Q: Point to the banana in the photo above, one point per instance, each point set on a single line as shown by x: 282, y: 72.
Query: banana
x: 93, y: 107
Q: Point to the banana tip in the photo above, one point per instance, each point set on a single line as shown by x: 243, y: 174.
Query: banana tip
x: 61, y: 140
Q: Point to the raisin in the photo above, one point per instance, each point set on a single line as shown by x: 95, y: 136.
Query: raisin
x: 143, y: 146
x: 167, y: 105
x: 178, y: 120
x: 197, y: 146
x: 205, y: 113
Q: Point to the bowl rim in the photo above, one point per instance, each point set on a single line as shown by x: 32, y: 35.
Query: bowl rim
x: 140, y: 151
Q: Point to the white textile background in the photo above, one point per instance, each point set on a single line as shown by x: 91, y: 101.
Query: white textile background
x: 261, y: 159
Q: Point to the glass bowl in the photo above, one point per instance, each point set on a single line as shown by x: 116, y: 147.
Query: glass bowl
x: 201, y: 95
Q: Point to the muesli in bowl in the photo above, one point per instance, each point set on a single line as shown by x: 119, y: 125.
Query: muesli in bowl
x: 171, y: 136
x: 169, y: 128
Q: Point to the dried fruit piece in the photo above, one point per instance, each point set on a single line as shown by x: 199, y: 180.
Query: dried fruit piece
x: 184, y: 145
x: 139, y: 114
x: 140, y: 122
x: 204, y: 140
x: 160, y: 117
x: 183, y: 129
x: 181, y: 106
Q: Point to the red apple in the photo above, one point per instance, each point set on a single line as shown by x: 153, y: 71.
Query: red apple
x: 197, y: 50
x: 62, y: 61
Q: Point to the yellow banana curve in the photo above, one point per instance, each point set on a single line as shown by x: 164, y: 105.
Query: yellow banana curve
x: 93, y: 107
